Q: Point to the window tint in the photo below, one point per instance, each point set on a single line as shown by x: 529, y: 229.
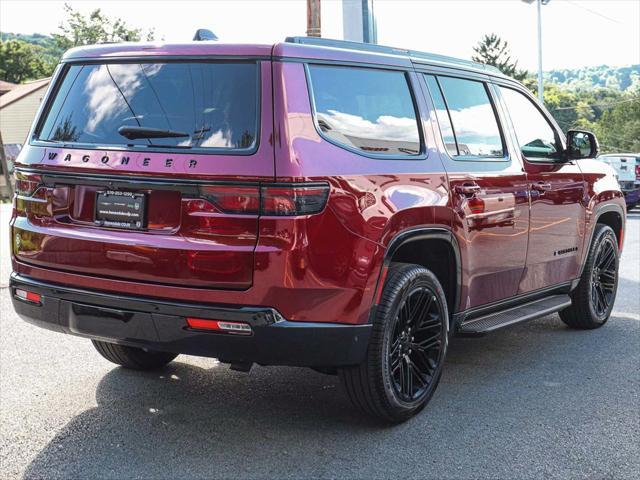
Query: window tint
x: 443, y: 115
x: 536, y: 137
x: 474, y: 121
x: 371, y: 110
x: 215, y: 104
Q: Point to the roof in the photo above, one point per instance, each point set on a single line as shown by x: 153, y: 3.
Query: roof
x: 415, y: 55
x: 7, y: 86
x: 144, y: 49
x: 22, y: 90
x: 292, y: 47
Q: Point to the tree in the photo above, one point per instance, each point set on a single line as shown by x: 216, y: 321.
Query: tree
x: 492, y: 50
x: 21, y: 61
x: 619, y: 128
x: 79, y: 29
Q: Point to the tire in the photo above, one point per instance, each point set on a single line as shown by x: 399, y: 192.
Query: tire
x: 396, y: 363
x: 593, y: 298
x: 132, y: 357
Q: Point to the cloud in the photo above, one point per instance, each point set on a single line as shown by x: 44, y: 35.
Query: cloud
x: 386, y: 127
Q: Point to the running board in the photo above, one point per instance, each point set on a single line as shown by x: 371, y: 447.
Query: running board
x: 511, y: 316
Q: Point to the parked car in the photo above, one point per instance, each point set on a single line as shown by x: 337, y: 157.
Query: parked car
x: 627, y: 168
x: 314, y: 203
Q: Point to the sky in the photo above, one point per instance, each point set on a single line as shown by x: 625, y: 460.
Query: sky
x: 576, y: 33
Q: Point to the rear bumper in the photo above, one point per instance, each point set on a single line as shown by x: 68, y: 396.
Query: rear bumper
x: 160, y: 325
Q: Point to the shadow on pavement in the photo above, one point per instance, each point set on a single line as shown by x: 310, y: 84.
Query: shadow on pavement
x: 188, y: 421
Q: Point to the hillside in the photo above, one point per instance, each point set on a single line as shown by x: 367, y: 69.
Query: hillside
x: 585, y: 78
x: 48, y: 44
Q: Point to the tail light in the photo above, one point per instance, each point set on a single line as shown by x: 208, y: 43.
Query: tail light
x: 476, y: 205
x: 243, y: 200
x: 638, y: 173
x: 238, y: 328
x: 27, y: 184
x: 286, y: 199
x: 31, y: 195
x: 293, y: 199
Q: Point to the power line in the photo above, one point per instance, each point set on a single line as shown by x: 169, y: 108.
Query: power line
x: 572, y: 2
x: 596, y: 105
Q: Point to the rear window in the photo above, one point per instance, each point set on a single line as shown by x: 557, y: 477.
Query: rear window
x: 213, y: 105
x: 365, y: 109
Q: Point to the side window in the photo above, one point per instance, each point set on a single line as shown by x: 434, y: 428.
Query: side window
x: 536, y: 137
x: 474, y: 121
x: 366, y: 109
x: 443, y: 115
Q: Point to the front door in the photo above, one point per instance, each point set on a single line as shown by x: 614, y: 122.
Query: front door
x: 557, y: 193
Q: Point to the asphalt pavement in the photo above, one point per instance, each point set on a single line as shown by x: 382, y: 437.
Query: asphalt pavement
x: 537, y: 400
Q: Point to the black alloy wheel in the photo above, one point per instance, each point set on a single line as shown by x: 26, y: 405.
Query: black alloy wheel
x: 407, y: 347
x: 416, y: 344
x: 592, y: 300
x: 603, y: 277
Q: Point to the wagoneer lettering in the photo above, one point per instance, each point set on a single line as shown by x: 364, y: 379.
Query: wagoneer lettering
x: 346, y: 209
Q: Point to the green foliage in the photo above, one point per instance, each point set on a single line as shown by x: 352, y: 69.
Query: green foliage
x: 613, y: 115
x: 587, y: 78
x: 492, y: 50
x: 619, y: 128
x: 48, y: 44
x: 79, y: 29
x: 29, y: 57
x: 21, y: 61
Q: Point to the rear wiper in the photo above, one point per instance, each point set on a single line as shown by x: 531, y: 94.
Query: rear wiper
x: 156, y: 145
x: 133, y: 133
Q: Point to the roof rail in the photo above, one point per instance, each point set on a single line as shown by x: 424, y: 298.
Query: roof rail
x: 375, y: 48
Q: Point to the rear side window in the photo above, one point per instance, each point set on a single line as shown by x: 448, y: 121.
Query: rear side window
x: 443, y: 115
x: 213, y: 104
x: 366, y: 109
x: 475, y: 125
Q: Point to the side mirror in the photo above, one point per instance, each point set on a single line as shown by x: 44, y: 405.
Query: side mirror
x: 581, y: 144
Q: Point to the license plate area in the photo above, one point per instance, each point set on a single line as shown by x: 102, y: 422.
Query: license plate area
x: 121, y: 209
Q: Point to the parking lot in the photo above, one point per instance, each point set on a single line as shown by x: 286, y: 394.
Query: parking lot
x: 536, y: 400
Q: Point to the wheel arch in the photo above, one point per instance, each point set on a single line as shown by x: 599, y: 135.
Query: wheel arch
x: 610, y: 214
x: 405, y: 247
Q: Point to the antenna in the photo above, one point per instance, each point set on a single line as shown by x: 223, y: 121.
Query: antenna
x: 203, y: 34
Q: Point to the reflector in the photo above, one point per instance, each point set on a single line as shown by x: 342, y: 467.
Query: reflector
x: 32, y: 297
x: 219, y: 325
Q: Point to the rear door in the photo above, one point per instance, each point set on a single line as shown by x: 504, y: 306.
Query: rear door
x: 488, y: 189
x: 557, y: 192
x: 149, y: 171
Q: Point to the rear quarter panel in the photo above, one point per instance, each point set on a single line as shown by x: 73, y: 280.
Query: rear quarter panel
x: 372, y: 200
x: 602, y: 194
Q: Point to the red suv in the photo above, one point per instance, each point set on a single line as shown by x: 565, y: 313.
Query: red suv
x: 312, y: 203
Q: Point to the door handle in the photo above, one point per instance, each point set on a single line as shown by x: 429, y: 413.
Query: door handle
x: 541, y: 186
x: 467, y: 189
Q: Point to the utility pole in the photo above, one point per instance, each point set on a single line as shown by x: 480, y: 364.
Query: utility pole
x: 313, y: 18
x: 539, y: 4
x: 359, y: 21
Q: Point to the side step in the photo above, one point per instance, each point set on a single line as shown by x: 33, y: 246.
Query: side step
x: 511, y: 316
